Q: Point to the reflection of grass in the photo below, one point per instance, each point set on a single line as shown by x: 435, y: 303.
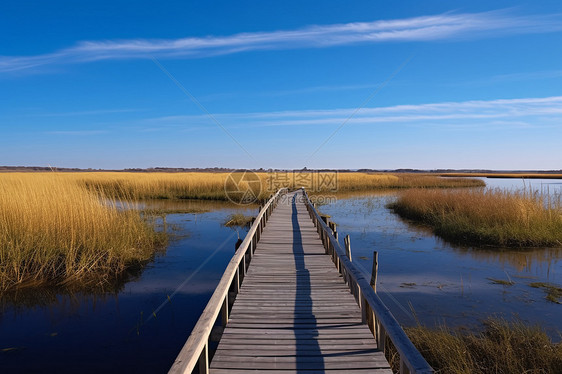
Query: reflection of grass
x: 53, y: 230
x: 239, y: 220
x: 501, y: 281
x: 553, y: 292
x: 492, y: 217
x: 502, y: 347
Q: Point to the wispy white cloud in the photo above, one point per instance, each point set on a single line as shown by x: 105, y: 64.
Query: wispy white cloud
x: 514, y: 113
x: 427, y: 28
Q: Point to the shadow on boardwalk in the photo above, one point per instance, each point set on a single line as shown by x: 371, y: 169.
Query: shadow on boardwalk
x: 306, y: 343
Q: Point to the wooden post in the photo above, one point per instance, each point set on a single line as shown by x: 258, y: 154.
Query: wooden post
x: 347, y: 247
x: 403, y: 367
x: 364, y: 311
x: 224, y: 311
x: 375, y: 270
x: 381, y: 338
x: 204, y: 360
x: 237, y: 281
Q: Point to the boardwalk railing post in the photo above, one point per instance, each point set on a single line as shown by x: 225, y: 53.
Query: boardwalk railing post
x: 204, y: 360
x: 237, y: 281
x: 224, y: 311
x: 347, y: 247
x: 375, y: 270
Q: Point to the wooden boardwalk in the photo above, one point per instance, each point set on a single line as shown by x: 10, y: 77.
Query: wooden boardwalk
x: 294, y: 313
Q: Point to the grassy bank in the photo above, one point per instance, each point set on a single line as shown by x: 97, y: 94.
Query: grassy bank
x: 491, y: 217
x: 53, y: 230
x: 506, y: 348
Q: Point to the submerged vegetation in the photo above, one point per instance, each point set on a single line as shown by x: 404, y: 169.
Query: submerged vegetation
x: 53, y: 230
x: 502, y: 347
x: 553, y: 292
x: 239, y: 220
x: 491, y: 217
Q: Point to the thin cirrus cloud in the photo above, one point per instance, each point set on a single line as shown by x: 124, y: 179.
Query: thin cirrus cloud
x: 525, y: 112
x: 427, y: 28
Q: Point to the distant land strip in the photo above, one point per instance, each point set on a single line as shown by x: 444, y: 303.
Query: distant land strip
x: 554, y: 174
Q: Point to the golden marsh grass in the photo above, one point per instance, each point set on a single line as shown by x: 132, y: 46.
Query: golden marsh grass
x: 487, y: 217
x: 503, y: 347
x: 53, y: 230
x: 139, y: 186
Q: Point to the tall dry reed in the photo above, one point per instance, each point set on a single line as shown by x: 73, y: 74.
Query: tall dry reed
x: 53, y: 230
x: 502, y: 347
x: 212, y: 185
x: 487, y: 217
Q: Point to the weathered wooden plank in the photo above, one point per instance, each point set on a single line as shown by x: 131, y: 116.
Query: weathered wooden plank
x: 294, y: 371
x: 255, y: 364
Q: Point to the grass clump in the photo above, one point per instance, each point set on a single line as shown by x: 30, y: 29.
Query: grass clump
x: 239, y: 220
x: 54, y: 231
x: 501, y: 281
x: 553, y: 292
x: 502, y: 347
x: 490, y: 217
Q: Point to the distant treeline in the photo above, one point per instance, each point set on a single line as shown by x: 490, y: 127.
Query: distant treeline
x: 262, y: 170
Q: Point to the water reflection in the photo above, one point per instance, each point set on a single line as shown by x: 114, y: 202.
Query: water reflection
x: 189, y: 206
x: 551, y: 186
x: 533, y: 261
x: 422, y: 275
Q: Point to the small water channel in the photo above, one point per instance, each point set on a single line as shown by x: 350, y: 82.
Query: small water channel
x: 423, y: 278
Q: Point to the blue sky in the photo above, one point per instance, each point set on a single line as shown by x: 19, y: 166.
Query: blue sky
x: 321, y: 84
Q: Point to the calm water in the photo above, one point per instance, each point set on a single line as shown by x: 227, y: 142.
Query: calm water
x: 419, y: 276
x: 117, y: 332
x: 553, y: 186
x: 424, y: 277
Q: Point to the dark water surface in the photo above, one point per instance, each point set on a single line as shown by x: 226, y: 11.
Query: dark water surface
x: 117, y: 332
